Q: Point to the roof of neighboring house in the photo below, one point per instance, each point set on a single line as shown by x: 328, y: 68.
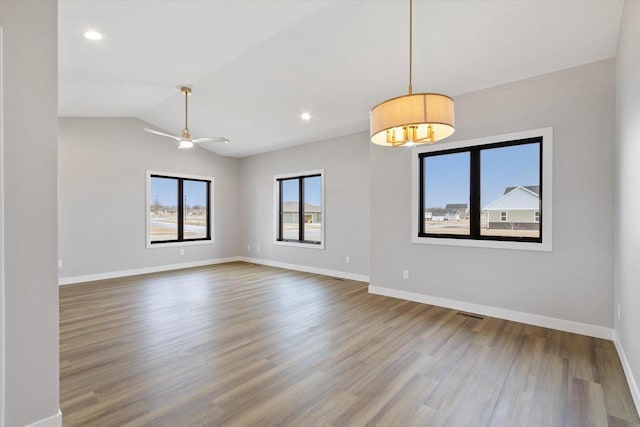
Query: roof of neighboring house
x: 441, y: 211
x: 294, y: 206
x: 518, y: 198
x: 456, y: 206
x: 436, y: 211
x: 533, y: 188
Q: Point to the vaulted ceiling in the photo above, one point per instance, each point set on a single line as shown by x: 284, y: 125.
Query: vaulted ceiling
x: 255, y: 66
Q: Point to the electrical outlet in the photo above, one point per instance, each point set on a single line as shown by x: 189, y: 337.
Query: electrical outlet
x: 347, y: 259
x: 257, y: 248
x: 181, y: 251
x: 619, y: 312
x: 59, y: 263
x: 405, y: 274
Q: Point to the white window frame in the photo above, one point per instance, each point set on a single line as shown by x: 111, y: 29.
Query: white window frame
x: 506, y: 216
x: 276, y: 210
x: 547, y: 189
x: 148, y: 207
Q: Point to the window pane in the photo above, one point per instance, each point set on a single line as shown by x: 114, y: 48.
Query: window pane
x: 509, y: 191
x: 290, y: 209
x: 446, y: 194
x: 313, y: 209
x: 195, y: 219
x: 163, y: 215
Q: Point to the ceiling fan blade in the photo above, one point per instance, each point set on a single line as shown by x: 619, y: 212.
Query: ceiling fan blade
x: 212, y: 139
x: 162, y: 134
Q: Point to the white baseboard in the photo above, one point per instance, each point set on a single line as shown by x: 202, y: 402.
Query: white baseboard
x: 52, y: 421
x: 133, y: 272
x: 146, y: 270
x: 633, y: 385
x: 307, y: 269
x: 501, y: 313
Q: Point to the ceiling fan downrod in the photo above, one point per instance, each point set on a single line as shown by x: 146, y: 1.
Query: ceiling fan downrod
x: 186, y: 133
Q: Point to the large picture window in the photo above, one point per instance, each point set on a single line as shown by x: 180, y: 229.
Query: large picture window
x: 486, y: 191
x: 178, y: 209
x: 300, y: 209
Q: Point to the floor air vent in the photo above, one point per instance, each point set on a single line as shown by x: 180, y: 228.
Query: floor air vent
x: 475, y: 316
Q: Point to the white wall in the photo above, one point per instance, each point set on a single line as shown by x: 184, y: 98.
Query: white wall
x: 574, y: 282
x: 103, y: 164
x: 29, y: 165
x: 627, y: 289
x: 345, y: 161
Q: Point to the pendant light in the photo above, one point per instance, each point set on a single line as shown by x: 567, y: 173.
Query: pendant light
x: 418, y: 118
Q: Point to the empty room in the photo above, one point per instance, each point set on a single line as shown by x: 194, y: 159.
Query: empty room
x: 319, y: 213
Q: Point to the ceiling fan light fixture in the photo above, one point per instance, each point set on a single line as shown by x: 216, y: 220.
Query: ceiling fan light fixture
x: 186, y: 140
x: 415, y: 118
x: 184, y: 144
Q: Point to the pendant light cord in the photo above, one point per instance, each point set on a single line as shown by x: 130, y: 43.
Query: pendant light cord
x: 410, y: 45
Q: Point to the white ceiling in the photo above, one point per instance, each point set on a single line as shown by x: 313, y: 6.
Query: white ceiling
x: 256, y: 65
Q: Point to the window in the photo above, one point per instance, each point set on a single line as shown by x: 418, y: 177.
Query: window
x: 300, y: 209
x: 486, y: 192
x: 510, y: 189
x: 499, y: 183
x: 179, y: 209
x: 446, y: 193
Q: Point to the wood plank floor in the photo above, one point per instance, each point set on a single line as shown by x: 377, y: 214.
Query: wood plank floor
x: 245, y: 345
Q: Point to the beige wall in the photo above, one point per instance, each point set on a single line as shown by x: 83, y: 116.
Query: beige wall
x: 30, y: 124
x: 102, y: 199
x: 627, y: 248
x: 574, y: 282
x: 103, y: 164
x: 345, y: 161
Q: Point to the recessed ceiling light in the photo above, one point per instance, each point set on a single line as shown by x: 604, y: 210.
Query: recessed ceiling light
x: 92, y: 35
x: 305, y: 116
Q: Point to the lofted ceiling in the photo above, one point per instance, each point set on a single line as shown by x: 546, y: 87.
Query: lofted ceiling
x: 255, y: 66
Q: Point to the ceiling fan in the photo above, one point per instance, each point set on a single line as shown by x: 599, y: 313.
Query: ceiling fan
x: 186, y: 141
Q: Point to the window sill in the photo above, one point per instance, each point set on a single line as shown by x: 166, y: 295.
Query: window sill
x: 300, y: 245
x: 174, y: 244
x: 545, y: 246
